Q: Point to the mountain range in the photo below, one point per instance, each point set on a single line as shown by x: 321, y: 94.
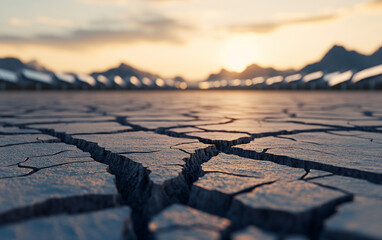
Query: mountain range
x: 340, y: 59
x: 14, y: 64
x: 337, y: 58
x: 124, y: 70
x: 251, y: 71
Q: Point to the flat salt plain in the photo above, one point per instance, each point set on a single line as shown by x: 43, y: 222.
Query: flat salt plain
x: 191, y: 165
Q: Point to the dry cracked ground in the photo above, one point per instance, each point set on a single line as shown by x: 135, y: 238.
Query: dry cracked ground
x: 191, y: 165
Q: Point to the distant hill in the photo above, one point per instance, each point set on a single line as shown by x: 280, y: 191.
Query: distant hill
x: 255, y: 70
x: 337, y: 58
x: 124, y: 70
x: 179, y: 79
x: 34, y: 64
x: 14, y: 64
x: 251, y: 71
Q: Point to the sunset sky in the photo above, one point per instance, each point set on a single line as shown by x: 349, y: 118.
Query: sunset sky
x: 191, y: 38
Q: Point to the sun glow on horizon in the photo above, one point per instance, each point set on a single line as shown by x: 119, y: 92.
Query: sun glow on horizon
x: 191, y: 39
x: 237, y: 52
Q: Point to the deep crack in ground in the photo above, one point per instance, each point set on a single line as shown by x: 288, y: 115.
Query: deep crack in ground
x: 232, y: 166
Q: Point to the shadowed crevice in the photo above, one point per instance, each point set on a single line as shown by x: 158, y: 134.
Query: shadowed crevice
x: 55, y: 206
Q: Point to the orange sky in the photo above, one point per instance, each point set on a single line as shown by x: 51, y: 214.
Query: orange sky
x: 191, y: 38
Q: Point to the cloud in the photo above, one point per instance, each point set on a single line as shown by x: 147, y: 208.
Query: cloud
x: 53, y: 22
x: 375, y: 3
x: 17, y: 22
x: 266, y: 27
x: 41, y: 20
x: 154, y: 28
x: 271, y: 26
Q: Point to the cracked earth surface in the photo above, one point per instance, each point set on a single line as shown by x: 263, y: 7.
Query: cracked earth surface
x: 191, y: 165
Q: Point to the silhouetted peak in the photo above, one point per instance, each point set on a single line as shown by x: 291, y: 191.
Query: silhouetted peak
x: 337, y: 50
x: 34, y: 64
x: 125, y: 66
x: 339, y: 58
x: 15, y: 64
x: 339, y: 55
x: 10, y: 60
x: 378, y: 53
x: 11, y: 63
x: 125, y: 70
x: 224, y: 71
x: 252, y: 67
x: 179, y: 79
